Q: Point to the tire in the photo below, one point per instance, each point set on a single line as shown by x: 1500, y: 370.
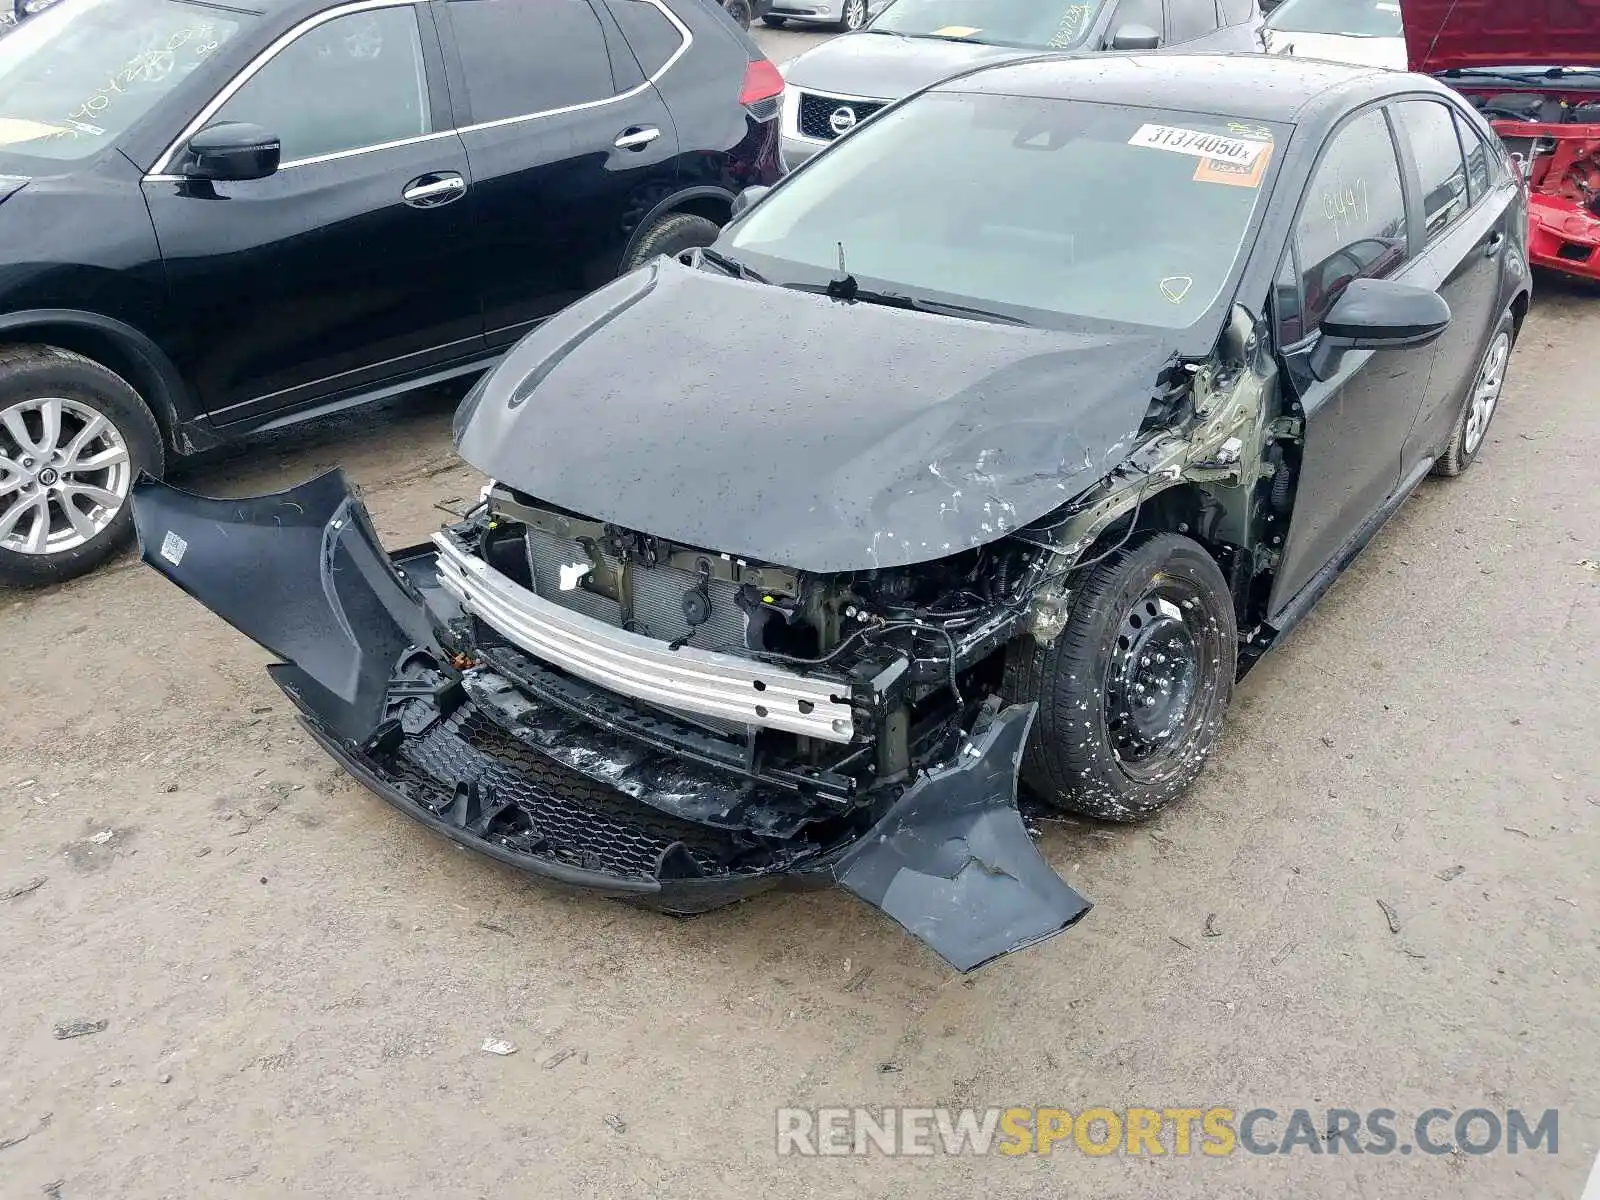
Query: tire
x: 739, y: 10
x: 41, y: 386
x: 672, y: 234
x: 1089, y: 753
x: 1480, y: 403
x: 774, y: 22
x: 852, y: 17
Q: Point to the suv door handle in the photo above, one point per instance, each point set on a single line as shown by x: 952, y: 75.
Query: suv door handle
x: 1494, y: 245
x: 636, y: 137
x: 430, y: 191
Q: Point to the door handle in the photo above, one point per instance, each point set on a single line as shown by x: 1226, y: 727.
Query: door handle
x: 636, y: 137
x: 1494, y: 245
x: 430, y: 191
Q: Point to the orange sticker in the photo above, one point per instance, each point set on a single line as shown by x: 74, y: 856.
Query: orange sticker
x: 1214, y: 170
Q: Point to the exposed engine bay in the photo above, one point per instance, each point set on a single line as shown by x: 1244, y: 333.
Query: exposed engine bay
x: 1554, y: 137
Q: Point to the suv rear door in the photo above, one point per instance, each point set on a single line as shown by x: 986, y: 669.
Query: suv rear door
x: 323, y: 278
x: 569, y: 146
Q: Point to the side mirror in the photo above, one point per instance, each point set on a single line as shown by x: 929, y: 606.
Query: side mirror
x: 1135, y: 37
x: 232, y: 152
x: 1377, y: 314
x: 748, y: 197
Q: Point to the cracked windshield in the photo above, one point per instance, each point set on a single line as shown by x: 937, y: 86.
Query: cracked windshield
x: 77, y: 75
x: 993, y: 22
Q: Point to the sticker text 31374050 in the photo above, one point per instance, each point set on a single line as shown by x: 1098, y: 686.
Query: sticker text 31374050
x: 1218, y: 147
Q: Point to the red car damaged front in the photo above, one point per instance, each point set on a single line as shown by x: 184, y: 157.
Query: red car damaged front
x: 1532, y: 68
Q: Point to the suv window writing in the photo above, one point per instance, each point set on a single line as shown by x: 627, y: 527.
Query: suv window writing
x: 1000, y: 202
x: 77, y: 75
x: 1352, y: 224
x: 347, y: 84
x: 1040, y: 24
x: 652, y: 38
x: 1430, y: 128
x: 530, y: 56
x: 1190, y: 19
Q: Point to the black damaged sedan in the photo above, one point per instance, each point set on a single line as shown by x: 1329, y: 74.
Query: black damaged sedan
x: 1080, y: 382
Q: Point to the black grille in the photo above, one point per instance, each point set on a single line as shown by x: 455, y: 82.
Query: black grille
x: 554, y: 812
x: 816, y: 114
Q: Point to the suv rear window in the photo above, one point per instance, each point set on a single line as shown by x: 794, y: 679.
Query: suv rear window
x: 77, y: 75
x: 529, y: 56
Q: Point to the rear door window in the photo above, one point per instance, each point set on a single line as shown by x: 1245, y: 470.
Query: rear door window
x: 1430, y: 132
x: 1190, y: 19
x: 1352, y: 222
x: 1488, y: 165
x: 529, y: 56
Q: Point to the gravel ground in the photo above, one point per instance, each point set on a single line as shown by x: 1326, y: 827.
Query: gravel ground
x: 1396, y: 840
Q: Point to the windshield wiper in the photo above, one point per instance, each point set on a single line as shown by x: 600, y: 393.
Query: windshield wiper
x: 860, y: 295
x: 731, y: 265
x: 1530, y: 79
x: 845, y: 288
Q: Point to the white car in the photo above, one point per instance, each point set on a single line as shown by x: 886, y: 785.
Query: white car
x: 1365, y: 32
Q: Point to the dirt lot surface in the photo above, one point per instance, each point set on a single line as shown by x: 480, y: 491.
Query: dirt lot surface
x: 296, y: 982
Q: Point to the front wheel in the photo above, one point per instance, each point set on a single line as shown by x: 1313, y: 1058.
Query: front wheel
x: 73, y: 438
x: 1132, y: 694
x: 1478, y: 409
x: 854, y: 15
x: 739, y: 10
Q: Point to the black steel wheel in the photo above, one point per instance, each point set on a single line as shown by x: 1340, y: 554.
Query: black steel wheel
x: 1133, y: 693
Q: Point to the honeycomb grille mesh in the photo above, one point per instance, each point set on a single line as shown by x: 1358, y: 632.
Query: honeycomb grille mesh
x: 556, y: 812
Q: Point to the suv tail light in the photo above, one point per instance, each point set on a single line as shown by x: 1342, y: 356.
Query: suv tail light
x: 761, y: 82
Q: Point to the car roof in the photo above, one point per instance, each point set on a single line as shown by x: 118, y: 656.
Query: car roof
x: 1261, y: 87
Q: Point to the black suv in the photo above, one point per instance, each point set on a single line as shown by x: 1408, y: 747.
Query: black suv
x: 221, y: 219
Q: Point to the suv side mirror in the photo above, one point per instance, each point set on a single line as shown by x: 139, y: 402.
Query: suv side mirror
x: 231, y: 152
x: 1377, y: 314
x: 1135, y: 37
x: 748, y: 197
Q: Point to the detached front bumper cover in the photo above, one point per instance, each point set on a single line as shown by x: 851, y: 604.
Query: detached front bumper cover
x: 366, y: 657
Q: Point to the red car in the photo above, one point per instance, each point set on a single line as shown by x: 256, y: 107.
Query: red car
x: 1533, y: 69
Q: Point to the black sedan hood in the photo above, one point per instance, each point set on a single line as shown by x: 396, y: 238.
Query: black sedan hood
x: 790, y: 428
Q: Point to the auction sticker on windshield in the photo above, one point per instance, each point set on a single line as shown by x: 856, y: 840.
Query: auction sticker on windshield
x: 1240, y: 151
x: 1232, y: 174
